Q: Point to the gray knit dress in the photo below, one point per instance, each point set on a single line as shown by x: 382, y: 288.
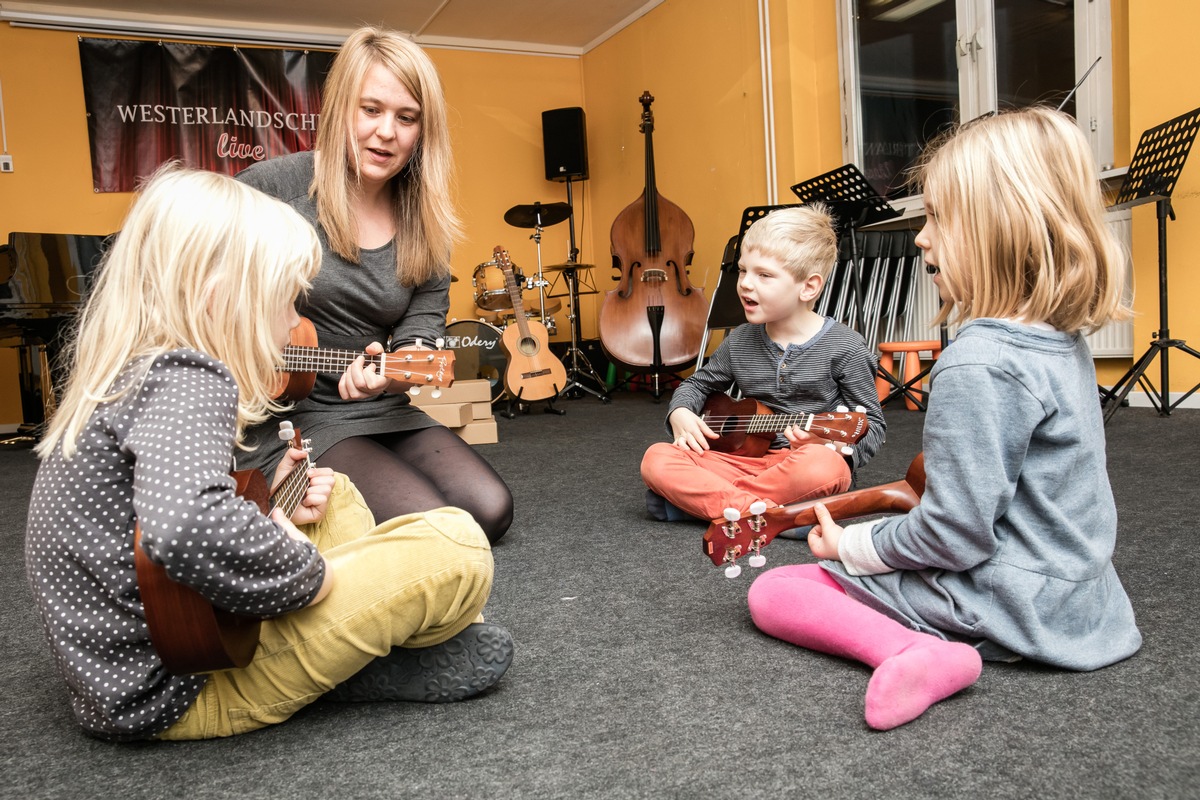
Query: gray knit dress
x: 350, y: 305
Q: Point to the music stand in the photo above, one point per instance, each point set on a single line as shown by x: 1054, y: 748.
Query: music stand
x: 854, y: 203
x: 1161, y: 153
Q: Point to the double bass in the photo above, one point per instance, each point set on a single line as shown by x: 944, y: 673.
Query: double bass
x: 654, y: 320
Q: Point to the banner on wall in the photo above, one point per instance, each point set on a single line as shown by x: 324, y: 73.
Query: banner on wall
x: 214, y: 108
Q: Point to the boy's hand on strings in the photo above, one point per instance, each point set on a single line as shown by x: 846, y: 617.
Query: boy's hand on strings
x: 362, y: 380
x: 797, y: 437
x: 824, y: 537
x: 690, y: 432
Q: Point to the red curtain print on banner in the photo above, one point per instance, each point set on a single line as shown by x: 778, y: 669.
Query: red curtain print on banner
x: 215, y: 108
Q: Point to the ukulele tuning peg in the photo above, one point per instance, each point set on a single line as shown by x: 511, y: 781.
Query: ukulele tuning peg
x: 286, y: 431
x: 417, y: 344
x: 732, y: 571
x: 841, y: 409
x: 732, y: 514
x: 440, y: 343
x: 436, y: 393
x: 831, y: 445
x: 758, y: 507
x: 757, y: 560
x: 847, y: 451
x: 414, y: 391
x: 861, y: 409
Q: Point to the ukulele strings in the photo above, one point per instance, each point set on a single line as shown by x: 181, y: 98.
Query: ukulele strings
x: 289, y: 494
x: 320, y: 359
x: 758, y: 423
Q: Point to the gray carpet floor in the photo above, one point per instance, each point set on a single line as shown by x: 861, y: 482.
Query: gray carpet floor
x: 639, y: 674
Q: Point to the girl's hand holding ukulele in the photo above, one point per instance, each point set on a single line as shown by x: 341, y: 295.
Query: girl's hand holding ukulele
x: 824, y: 537
x: 316, y: 498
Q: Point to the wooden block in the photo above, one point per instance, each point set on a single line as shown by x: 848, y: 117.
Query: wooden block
x: 481, y: 411
x: 471, y: 391
x: 452, y: 415
x: 481, y: 431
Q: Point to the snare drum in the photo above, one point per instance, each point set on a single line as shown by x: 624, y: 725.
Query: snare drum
x: 490, y: 291
x: 477, y: 353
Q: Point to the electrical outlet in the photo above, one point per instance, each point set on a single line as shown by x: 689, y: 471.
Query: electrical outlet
x: 6, y: 164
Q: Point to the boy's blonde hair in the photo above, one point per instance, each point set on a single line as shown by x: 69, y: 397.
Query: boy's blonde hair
x: 802, y: 239
x: 204, y: 262
x: 427, y: 225
x: 1022, y: 233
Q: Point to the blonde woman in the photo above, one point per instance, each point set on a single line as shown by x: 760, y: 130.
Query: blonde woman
x: 1009, y: 554
x: 175, y: 355
x: 377, y: 188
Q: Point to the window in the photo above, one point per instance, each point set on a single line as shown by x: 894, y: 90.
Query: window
x: 910, y: 68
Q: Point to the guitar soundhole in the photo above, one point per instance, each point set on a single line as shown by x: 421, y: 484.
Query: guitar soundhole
x: 528, y: 346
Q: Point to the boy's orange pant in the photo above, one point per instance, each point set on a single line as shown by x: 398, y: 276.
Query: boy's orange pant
x: 705, y: 484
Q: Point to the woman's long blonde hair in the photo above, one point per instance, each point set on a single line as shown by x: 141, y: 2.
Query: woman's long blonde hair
x: 1017, y: 201
x: 427, y: 225
x: 204, y: 262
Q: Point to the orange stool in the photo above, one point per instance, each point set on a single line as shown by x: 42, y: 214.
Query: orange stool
x: 890, y: 387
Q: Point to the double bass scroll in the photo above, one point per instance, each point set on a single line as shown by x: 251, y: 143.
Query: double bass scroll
x: 654, y: 320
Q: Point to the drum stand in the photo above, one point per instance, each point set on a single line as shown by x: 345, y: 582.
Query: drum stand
x: 574, y: 357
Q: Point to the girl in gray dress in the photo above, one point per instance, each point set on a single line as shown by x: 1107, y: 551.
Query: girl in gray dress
x: 1009, y: 553
x: 377, y: 190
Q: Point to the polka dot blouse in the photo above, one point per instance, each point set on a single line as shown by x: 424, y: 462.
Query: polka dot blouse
x: 159, y: 456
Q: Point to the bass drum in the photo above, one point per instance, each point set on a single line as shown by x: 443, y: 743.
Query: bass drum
x: 477, y: 353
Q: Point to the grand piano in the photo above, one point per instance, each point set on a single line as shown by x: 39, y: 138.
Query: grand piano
x: 44, y: 278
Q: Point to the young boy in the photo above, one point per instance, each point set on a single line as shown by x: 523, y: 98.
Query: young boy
x: 787, y: 357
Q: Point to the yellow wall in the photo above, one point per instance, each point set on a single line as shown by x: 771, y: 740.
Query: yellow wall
x: 701, y: 61
x: 1162, y: 64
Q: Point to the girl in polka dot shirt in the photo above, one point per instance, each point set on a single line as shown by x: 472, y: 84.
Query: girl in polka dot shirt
x: 175, y: 355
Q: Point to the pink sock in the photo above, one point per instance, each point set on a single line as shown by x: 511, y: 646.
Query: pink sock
x: 803, y: 605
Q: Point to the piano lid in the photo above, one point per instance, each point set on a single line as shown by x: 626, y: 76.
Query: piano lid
x: 48, y: 269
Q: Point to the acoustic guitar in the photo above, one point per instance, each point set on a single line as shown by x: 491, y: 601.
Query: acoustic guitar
x: 303, y: 359
x: 533, y: 371
x: 729, y: 538
x: 747, y: 427
x: 188, y: 632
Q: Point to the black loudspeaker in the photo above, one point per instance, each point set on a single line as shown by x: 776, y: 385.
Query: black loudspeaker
x: 564, y: 141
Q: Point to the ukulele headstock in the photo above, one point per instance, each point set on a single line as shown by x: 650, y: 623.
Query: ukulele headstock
x: 842, y: 425
x: 422, y: 367
x: 735, y: 535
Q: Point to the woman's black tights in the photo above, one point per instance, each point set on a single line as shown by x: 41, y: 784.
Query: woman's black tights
x: 401, y: 473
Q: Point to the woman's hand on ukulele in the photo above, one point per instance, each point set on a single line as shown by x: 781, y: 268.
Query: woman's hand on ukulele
x: 824, y: 537
x: 361, y: 380
x: 690, y: 432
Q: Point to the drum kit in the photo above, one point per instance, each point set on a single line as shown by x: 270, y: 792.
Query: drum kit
x: 476, y: 342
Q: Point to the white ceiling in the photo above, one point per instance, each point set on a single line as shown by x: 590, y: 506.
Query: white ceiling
x: 564, y: 27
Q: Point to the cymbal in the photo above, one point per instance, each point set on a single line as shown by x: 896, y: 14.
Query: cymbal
x: 538, y: 214
x: 568, y: 265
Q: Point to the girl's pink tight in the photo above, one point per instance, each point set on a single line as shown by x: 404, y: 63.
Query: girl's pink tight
x: 803, y: 605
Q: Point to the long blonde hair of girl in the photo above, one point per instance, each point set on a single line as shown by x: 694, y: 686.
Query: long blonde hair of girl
x: 1020, y: 215
x: 202, y: 262
x: 427, y: 225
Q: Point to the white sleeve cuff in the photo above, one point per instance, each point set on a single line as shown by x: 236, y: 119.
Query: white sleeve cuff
x: 857, y: 551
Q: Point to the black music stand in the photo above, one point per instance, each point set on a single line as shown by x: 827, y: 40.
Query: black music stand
x: 1155, y: 168
x: 854, y: 203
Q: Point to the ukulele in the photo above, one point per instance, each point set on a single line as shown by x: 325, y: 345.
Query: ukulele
x: 188, y: 632
x: 747, y: 427
x: 302, y: 360
x: 533, y: 371
x: 729, y: 538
